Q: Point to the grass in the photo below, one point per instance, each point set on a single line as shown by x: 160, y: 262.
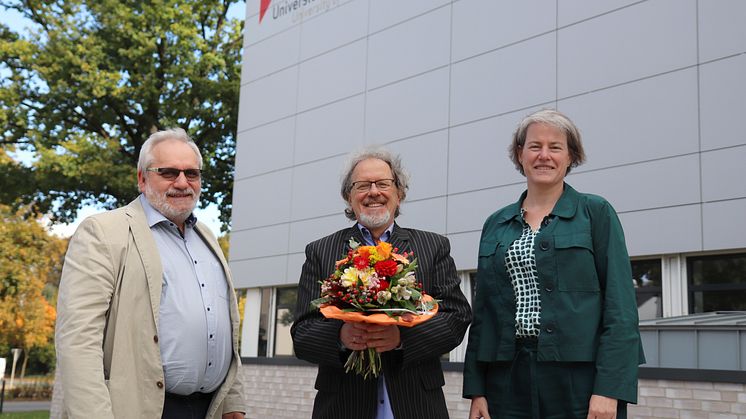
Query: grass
x: 25, y: 415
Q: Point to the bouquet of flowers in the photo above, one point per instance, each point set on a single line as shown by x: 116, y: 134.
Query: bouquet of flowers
x: 374, y: 284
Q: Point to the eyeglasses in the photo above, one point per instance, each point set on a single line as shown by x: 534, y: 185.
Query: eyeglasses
x: 171, y: 173
x: 365, y: 185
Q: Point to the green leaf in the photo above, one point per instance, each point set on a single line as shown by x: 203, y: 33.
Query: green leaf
x: 85, y: 86
x: 319, y: 301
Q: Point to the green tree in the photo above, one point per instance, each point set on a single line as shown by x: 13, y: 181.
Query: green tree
x: 225, y: 242
x: 30, y: 269
x: 90, y: 80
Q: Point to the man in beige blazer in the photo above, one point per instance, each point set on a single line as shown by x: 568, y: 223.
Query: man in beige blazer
x: 147, y: 321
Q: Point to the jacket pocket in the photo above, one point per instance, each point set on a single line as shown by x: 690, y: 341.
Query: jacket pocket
x: 432, y: 377
x: 487, y: 266
x: 487, y: 248
x: 328, y: 381
x: 576, y: 266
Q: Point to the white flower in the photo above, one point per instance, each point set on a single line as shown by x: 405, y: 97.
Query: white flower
x: 405, y: 293
x: 383, y: 297
x: 407, y: 281
x: 395, y: 291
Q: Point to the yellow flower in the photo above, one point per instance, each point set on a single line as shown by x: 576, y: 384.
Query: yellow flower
x: 366, y: 275
x: 349, y: 277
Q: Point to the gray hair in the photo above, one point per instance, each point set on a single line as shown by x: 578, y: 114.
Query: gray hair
x: 555, y: 119
x: 401, y: 177
x: 178, y: 134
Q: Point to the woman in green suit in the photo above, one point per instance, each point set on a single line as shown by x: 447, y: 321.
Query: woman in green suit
x: 555, y: 331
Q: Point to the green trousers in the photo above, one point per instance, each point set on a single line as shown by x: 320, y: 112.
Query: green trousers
x: 525, y: 388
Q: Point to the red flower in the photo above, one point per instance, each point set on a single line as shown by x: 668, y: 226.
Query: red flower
x: 361, y: 262
x: 383, y: 284
x: 386, y: 268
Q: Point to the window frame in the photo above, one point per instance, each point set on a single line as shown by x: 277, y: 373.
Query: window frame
x: 652, y: 290
x: 692, y: 289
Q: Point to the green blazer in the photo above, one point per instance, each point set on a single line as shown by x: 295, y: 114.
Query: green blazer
x: 588, y: 305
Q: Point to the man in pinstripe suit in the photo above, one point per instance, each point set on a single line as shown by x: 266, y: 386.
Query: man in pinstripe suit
x: 412, y: 379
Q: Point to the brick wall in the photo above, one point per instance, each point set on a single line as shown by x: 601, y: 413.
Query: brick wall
x: 287, y: 392
x: 280, y: 391
x: 690, y: 400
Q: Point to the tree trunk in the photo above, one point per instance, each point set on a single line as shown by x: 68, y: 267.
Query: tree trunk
x: 25, y: 361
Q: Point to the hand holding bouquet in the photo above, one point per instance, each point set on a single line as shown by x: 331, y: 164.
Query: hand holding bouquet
x: 374, y: 284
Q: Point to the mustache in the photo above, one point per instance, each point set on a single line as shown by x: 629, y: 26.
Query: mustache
x: 180, y: 192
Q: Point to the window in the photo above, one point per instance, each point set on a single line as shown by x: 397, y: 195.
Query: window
x: 276, y: 314
x: 284, y: 317
x: 264, y: 322
x: 717, y: 282
x: 472, y: 287
x: 646, y: 275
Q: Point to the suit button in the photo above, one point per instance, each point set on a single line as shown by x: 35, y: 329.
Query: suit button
x: 155, y: 338
x: 159, y: 384
x: 544, y: 245
x: 550, y: 329
x: 549, y: 288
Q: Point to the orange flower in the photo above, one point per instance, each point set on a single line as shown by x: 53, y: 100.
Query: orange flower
x: 399, y: 258
x: 341, y: 262
x: 364, y: 251
x: 384, y: 250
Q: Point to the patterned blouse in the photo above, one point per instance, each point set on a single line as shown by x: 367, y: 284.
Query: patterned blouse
x: 520, y: 263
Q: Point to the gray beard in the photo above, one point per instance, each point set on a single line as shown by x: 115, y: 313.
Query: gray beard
x: 159, y: 202
x: 372, y: 221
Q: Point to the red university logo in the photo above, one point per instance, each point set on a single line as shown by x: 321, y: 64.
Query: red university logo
x: 263, y: 9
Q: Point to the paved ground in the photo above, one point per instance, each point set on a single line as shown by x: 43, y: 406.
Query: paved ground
x: 22, y: 406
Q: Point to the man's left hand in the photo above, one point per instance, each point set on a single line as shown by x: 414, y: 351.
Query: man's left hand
x: 233, y: 415
x: 602, y: 407
x: 382, y: 338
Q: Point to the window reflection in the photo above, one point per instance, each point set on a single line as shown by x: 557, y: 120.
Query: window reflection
x: 646, y: 277
x: 264, y: 322
x: 284, y: 317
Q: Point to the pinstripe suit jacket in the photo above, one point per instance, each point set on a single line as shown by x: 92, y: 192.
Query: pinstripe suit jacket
x: 413, y: 374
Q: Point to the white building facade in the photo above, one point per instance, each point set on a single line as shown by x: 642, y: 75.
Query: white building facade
x: 656, y: 87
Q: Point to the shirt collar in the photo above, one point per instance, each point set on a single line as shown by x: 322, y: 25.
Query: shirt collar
x: 564, y: 208
x: 155, y: 217
x: 368, y: 236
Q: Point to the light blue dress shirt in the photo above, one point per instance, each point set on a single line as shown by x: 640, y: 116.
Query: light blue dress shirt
x: 194, y: 324
x: 383, y: 407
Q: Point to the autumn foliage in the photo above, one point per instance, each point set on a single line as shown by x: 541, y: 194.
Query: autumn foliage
x: 30, y: 265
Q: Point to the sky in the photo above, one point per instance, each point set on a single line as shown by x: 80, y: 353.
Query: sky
x: 209, y: 215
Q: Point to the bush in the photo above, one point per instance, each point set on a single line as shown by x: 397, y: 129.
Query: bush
x: 41, y: 360
x: 39, y: 388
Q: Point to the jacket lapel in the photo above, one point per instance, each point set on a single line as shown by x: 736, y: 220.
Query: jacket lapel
x: 354, y: 233
x: 148, y: 251
x: 400, y: 239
